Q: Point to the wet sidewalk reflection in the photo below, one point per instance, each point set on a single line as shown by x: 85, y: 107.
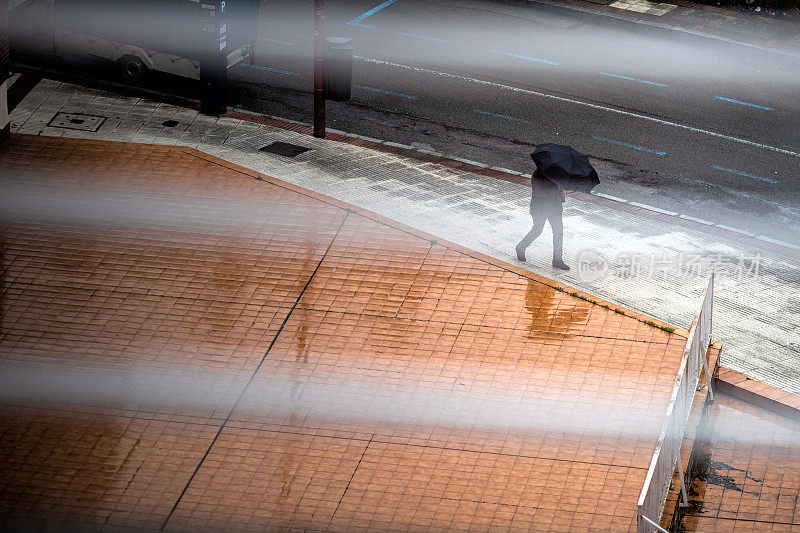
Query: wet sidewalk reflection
x: 190, y: 345
x: 749, y: 476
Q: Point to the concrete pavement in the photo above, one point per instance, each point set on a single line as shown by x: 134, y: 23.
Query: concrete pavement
x: 654, y: 264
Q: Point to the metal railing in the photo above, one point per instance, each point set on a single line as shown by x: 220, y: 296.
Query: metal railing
x: 668, y: 448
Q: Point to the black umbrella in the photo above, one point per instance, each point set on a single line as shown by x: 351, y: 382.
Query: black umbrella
x: 565, y: 166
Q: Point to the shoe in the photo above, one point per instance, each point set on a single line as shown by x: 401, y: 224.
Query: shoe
x: 520, y: 254
x: 558, y: 263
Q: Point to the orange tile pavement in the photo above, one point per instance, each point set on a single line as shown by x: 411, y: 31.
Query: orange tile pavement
x: 207, y: 348
x: 750, y: 471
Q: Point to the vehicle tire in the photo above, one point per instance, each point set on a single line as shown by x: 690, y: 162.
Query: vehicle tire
x: 132, y: 67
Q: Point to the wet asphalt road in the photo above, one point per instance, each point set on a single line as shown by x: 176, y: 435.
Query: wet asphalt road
x: 688, y: 124
x: 696, y: 126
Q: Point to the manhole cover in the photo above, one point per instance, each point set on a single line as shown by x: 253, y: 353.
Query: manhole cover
x: 77, y: 121
x: 284, y: 149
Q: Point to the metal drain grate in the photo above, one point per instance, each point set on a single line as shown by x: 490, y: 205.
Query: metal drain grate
x: 76, y: 121
x: 284, y: 149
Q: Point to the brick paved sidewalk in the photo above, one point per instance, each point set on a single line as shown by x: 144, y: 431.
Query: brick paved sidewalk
x: 749, y: 471
x: 654, y: 263
x: 190, y: 344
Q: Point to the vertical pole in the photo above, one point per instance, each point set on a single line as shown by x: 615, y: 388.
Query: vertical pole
x: 708, y: 378
x: 685, y: 502
x: 708, y: 320
x: 257, y: 48
x: 319, y: 68
x: 213, y: 58
x: 50, y: 29
x: 5, y: 71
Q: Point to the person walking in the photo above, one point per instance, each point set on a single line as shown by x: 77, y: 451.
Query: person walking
x: 547, y: 200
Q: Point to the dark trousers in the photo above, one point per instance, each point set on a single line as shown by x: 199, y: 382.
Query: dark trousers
x: 552, y: 212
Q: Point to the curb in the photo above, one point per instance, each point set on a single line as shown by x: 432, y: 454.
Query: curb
x: 475, y: 167
x: 569, y: 290
x: 757, y: 393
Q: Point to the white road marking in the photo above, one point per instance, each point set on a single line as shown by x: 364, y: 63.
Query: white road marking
x: 586, y: 104
x: 276, y: 41
x: 418, y: 36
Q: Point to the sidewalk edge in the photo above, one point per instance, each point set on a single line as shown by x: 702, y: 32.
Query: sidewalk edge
x: 757, y: 393
x: 767, y: 243
x: 668, y: 329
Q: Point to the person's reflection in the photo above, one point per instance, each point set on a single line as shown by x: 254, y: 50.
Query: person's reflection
x: 300, y: 313
x: 301, y: 352
x: 285, y: 502
x: 288, y: 472
x: 547, y: 316
x: 547, y: 200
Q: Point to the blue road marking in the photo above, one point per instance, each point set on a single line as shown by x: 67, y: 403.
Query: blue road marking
x: 744, y: 103
x: 357, y: 21
x: 270, y: 69
x: 745, y: 174
x: 418, y: 36
x: 527, y: 58
x: 628, y: 145
x: 384, y: 91
x: 507, y: 117
x: 634, y: 79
